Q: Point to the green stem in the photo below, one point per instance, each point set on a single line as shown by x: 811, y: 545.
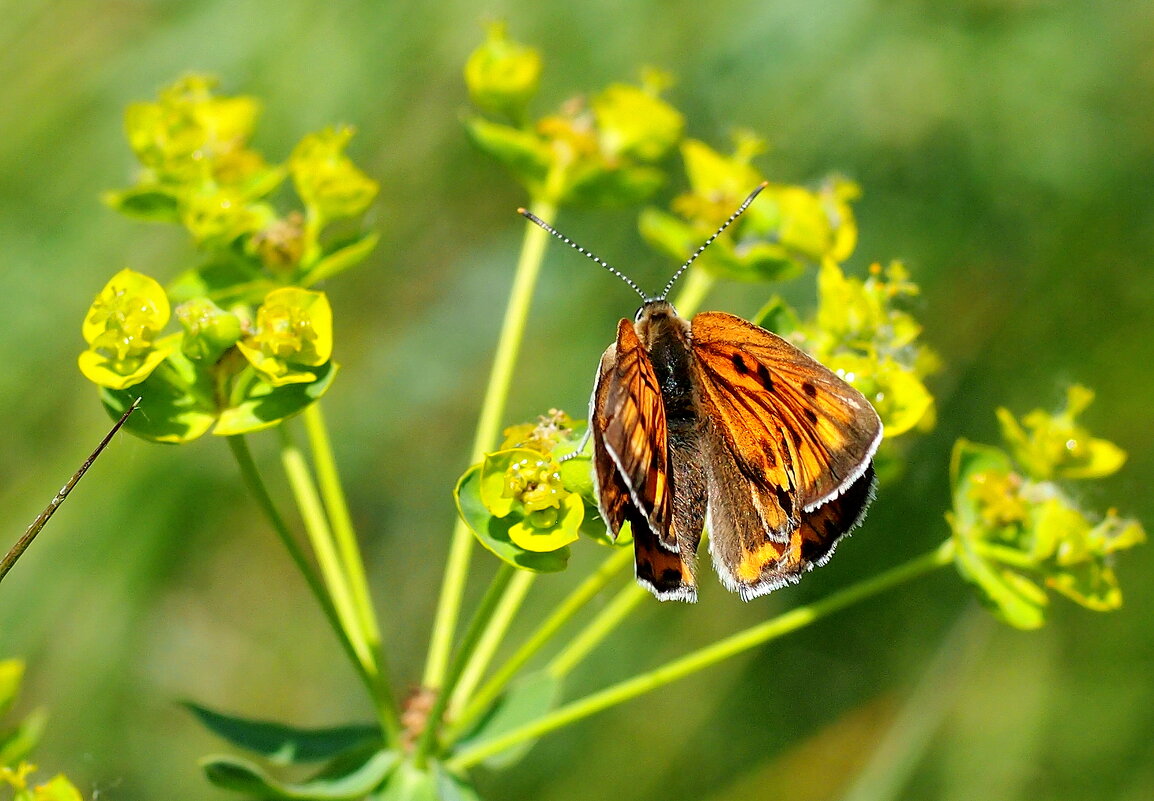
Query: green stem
x: 336, y: 505
x: 581, y: 595
x: 321, y: 538
x: 488, y: 427
x: 693, y: 291
x: 252, y: 478
x: 472, y: 635
x: 597, y: 630
x: 703, y: 658
x: 494, y: 633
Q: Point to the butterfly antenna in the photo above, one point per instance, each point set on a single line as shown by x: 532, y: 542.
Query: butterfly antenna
x: 535, y: 219
x: 681, y: 270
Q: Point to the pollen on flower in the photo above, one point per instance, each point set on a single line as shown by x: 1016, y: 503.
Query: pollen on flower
x: 536, y: 485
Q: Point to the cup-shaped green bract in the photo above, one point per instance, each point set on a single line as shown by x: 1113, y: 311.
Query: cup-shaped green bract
x: 122, y: 329
x: 533, y: 496
x: 293, y: 335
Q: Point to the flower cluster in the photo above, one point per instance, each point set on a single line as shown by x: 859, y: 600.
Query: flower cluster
x: 598, y: 150
x: 254, y: 340
x: 788, y: 228
x: 860, y: 331
x: 1017, y: 532
x: 533, y: 496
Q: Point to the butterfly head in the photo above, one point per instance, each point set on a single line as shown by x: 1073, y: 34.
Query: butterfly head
x: 655, y: 308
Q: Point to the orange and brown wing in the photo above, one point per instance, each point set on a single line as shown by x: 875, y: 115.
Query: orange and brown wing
x: 631, y: 465
x: 786, y: 438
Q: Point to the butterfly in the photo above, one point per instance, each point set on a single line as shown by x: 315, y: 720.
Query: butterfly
x: 717, y: 423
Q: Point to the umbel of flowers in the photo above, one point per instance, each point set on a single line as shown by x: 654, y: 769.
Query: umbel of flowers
x: 241, y: 340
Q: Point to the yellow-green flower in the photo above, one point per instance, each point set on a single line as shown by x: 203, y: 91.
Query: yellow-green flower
x: 123, y: 328
x: 526, y: 487
x: 190, y: 132
x: 502, y: 74
x: 328, y: 182
x: 1055, y: 446
x: 293, y: 331
x: 1016, y: 536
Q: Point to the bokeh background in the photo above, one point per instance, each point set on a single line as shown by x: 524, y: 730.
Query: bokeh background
x: 1006, y: 150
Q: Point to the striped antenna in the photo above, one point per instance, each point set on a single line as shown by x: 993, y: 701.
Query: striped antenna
x: 745, y: 204
x: 537, y: 220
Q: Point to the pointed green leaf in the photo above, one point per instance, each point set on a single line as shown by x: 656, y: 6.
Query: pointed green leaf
x: 493, y: 532
x: 777, y: 316
x: 341, y: 258
x: 521, y: 151
x: 284, y: 744
x: 243, y: 776
x: 525, y: 701
x: 17, y: 743
x: 1012, y: 598
x: 145, y: 203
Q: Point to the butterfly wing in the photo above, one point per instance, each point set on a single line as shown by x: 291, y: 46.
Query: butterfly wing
x: 785, y: 439
x: 631, y: 465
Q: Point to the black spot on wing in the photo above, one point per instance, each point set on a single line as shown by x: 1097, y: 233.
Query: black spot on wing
x: 809, y: 415
x: 764, y: 377
x: 809, y: 389
x: 786, y: 502
x: 740, y: 365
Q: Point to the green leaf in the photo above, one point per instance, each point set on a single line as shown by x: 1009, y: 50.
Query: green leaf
x: 264, y: 406
x: 451, y: 787
x: 493, y: 532
x: 521, y: 151
x: 284, y: 744
x: 523, y: 702
x: 1090, y: 583
x: 777, y: 316
x: 145, y: 203
x: 226, y: 280
x: 243, y: 776
x: 341, y: 258
x: 1012, y: 598
x: 598, y: 185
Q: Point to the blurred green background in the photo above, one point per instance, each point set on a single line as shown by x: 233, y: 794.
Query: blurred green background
x: 1006, y: 150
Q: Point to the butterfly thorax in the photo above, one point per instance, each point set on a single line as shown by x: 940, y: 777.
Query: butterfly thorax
x: 666, y: 337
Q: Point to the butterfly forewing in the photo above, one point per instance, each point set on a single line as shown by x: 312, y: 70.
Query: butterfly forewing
x: 630, y: 438
x: 791, y: 421
x: 788, y: 452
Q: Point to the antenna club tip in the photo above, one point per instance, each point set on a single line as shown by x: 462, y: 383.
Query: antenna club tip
x: 762, y: 185
x: 522, y: 211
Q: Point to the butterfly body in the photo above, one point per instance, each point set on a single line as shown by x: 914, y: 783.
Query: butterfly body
x: 717, y: 420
